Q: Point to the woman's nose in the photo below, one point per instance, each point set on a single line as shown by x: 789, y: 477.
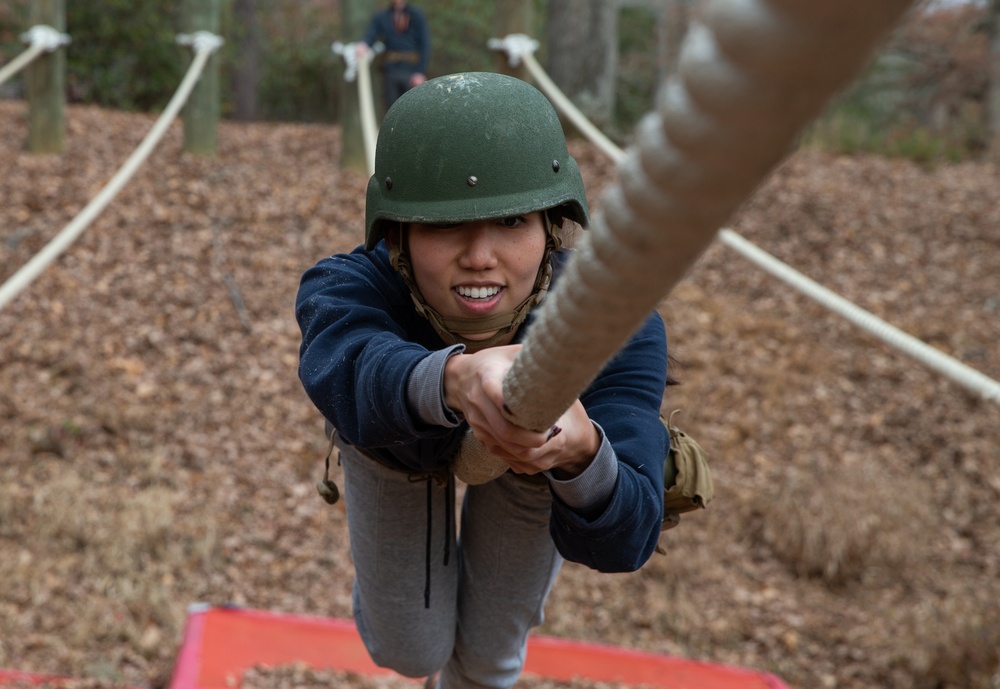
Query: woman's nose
x: 480, y: 248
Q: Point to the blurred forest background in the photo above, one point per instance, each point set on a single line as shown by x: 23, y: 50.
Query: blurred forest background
x: 932, y: 95
x: 157, y: 449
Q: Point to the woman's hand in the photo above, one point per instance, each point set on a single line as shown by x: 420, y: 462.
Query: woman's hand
x: 473, y: 386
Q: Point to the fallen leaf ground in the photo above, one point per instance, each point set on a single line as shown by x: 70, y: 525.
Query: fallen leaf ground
x: 156, y: 448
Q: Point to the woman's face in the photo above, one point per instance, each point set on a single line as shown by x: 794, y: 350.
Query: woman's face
x: 477, y: 269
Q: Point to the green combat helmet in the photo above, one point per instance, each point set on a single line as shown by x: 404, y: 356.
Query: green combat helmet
x: 471, y: 146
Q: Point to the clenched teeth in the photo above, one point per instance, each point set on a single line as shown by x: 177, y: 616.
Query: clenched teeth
x: 477, y: 292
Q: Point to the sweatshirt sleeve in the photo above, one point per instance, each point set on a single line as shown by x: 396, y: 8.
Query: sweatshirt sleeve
x: 355, y: 359
x: 624, y: 401
x: 425, y: 391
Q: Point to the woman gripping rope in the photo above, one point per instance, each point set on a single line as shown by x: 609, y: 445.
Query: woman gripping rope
x: 405, y: 344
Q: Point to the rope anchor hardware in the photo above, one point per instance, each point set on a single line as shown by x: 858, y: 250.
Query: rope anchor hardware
x: 516, y: 45
x: 48, y: 38
x: 349, y: 51
x: 201, y: 41
x: 42, y: 39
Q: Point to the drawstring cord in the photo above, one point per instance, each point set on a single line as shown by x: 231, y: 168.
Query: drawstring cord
x: 449, y: 523
x: 328, y: 490
x: 427, y: 552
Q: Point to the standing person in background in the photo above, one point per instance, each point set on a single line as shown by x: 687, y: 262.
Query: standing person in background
x: 402, y: 28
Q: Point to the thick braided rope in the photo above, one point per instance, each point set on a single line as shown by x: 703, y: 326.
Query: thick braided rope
x: 749, y: 79
x: 204, y: 44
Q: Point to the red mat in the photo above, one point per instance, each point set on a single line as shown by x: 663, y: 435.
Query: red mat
x: 221, y: 643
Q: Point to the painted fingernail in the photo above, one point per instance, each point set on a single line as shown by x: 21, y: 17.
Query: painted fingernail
x: 553, y: 433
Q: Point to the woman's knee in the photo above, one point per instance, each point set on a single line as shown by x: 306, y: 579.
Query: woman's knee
x: 413, y: 655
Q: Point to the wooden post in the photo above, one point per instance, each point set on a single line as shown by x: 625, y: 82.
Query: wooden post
x: 993, y: 91
x: 512, y: 16
x: 201, y: 112
x: 45, y: 79
x: 356, y: 15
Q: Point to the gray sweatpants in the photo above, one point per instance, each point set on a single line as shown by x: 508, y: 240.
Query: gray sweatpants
x: 482, y: 603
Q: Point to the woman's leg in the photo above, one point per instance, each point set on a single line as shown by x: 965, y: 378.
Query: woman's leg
x: 508, y: 566
x: 388, y: 526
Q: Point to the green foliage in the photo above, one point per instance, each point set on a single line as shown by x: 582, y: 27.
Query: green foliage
x: 860, y: 123
x: 298, y: 69
x: 13, y: 22
x: 460, y: 30
x: 637, y: 73
x: 124, y: 53
x: 922, y: 99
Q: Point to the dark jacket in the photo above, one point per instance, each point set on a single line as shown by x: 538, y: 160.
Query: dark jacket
x: 415, y: 38
x: 362, y: 338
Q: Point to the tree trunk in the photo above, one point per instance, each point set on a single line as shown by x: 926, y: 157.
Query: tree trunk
x: 246, y: 73
x: 993, y: 94
x: 510, y: 17
x: 582, y: 54
x: 201, y: 112
x: 45, y: 79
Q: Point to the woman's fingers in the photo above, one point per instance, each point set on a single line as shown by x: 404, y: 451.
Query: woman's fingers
x: 474, y: 385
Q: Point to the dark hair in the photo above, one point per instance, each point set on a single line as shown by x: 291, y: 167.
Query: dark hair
x: 671, y: 364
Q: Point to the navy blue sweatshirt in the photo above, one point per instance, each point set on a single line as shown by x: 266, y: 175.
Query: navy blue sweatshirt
x: 414, y: 38
x: 363, y: 344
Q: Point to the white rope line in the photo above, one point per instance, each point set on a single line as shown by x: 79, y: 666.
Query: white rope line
x: 520, y: 48
x: 42, y: 39
x: 359, y: 67
x: 933, y: 358
x: 749, y: 80
x: 203, y: 43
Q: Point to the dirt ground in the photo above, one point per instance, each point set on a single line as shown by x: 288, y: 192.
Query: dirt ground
x: 157, y: 450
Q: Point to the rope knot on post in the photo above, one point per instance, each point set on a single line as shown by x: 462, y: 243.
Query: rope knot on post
x: 354, y: 61
x: 516, y: 45
x: 46, y: 37
x: 349, y: 51
x: 201, y: 41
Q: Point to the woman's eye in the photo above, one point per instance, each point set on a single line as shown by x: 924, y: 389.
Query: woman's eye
x: 512, y: 221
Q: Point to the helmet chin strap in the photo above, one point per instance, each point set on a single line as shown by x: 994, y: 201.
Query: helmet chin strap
x: 453, y: 330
